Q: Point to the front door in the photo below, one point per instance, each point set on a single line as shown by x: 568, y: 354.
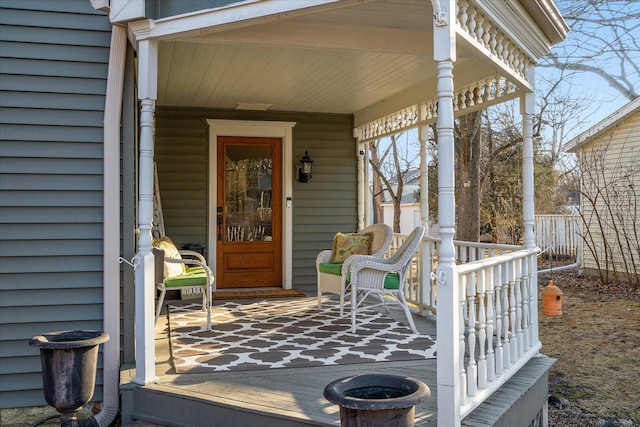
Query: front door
x: 249, y: 212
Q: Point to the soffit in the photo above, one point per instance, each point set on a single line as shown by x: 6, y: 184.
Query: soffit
x: 343, y: 60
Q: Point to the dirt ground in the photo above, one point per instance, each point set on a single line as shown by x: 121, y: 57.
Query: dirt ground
x: 596, y: 341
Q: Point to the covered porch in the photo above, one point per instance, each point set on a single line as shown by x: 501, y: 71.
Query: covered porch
x: 504, y: 379
x: 294, y: 396
x: 389, y: 65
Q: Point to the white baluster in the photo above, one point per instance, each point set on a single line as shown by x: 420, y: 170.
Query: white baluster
x: 525, y: 305
x: 505, y: 316
x: 463, y: 374
x: 462, y: 15
x: 491, y: 315
x: 499, y: 45
x: 471, y: 25
x: 517, y: 265
x: 513, y: 341
x: 482, y: 330
x: 493, y: 41
x: 472, y: 369
x: 480, y: 29
x: 498, y: 322
x: 486, y: 34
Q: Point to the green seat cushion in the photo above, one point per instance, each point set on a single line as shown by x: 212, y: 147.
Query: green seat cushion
x: 330, y: 268
x: 196, y: 277
x: 391, y: 281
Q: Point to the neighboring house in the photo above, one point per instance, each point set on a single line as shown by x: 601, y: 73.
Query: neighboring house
x: 609, y: 157
x: 410, y: 213
x: 96, y: 93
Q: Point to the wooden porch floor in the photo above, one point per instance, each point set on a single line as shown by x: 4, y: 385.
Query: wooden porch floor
x: 294, y: 396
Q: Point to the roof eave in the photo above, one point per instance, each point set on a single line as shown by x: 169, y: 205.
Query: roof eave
x: 615, y: 118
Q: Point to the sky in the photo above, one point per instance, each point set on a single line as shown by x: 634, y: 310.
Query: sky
x: 599, y: 46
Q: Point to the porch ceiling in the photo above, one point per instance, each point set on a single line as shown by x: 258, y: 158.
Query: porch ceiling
x: 344, y: 59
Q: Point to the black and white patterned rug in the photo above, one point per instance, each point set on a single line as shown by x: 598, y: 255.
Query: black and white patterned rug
x: 286, y: 334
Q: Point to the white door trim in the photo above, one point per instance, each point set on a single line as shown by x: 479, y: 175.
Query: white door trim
x: 266, y: 129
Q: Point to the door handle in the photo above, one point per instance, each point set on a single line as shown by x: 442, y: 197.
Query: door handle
x: 219, y: 221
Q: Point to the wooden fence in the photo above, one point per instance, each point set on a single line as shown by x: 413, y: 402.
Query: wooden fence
x: 558, y: 235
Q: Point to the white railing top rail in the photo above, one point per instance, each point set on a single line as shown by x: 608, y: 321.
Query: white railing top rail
x: 496, y: 260
x: 477, y: 244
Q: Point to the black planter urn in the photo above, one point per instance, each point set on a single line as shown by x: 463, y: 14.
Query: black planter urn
x: 69, y: 362
x: 377, y: 400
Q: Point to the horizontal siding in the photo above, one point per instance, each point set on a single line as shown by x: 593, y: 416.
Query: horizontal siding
x: 53, y: 67
x: 323, y: 206
x: 620, y: 164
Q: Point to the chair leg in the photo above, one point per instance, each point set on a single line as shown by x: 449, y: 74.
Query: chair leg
x: 163, y: 292
x: 206, y: 290
x: 354, y: 308
x: 319, y: 299
x: 407, y: 312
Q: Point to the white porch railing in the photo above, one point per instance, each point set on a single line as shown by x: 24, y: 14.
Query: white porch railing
x: 561, y: 233
x: 497, y: 307
x: 424, y: 297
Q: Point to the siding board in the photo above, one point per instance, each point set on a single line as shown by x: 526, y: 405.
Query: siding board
x: 48, y: 183
x: 51, y: 84
x: 60, y: 53
x: 55, y: 36
x: 35, y: 132
x: 53, y: 101
x: 53, y: 68
x: 66, y: 281
x: 49, y: 149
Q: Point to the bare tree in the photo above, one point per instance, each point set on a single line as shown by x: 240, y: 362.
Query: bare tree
x: 603, y: 41
x: 468, y: 132
x: 390, y: 169
x: 377, y: 188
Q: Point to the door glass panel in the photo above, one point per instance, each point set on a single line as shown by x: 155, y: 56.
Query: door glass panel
x: 248, y: 193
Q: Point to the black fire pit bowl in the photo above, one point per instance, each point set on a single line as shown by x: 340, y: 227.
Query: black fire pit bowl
x: 377, y: 400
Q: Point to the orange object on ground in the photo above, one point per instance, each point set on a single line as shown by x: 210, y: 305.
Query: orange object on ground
x: 552, y: 300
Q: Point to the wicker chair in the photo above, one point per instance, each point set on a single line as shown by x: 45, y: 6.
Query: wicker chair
x: 333, y: 277
x: 383, y: 276
x: 179, y: 269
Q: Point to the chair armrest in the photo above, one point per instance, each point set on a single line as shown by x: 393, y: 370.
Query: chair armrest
x: 199, y: 263
x: 194, y: 254
x: 324, y: 256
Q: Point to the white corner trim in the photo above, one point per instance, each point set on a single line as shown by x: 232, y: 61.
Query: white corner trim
x: 270, y: 129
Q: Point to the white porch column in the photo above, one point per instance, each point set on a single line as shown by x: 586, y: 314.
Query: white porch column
x: 527, y: 109
x: 423, y: 136
x: 425, y: 261
x: 363, y: 184
x: 144, y: 279
x: 448, y: 320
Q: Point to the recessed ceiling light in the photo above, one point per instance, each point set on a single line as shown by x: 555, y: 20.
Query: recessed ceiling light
x: 252, y: 106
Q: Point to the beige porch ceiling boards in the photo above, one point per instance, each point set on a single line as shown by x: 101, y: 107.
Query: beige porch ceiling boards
x: 341, y: 59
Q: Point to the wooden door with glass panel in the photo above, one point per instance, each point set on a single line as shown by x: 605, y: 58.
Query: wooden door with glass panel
x: 249, y: 214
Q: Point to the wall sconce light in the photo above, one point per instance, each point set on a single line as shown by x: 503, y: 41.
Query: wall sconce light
x: 304, y: 173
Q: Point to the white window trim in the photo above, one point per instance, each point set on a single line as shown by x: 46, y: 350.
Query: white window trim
x: 268, y: 129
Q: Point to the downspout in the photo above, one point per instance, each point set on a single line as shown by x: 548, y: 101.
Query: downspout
x: 575, y: 265
x: 111, y: 227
